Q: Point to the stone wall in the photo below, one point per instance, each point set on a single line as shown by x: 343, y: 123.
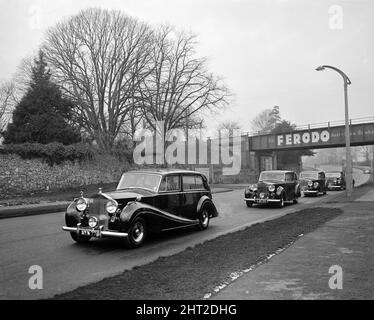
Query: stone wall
x: 19, y: 176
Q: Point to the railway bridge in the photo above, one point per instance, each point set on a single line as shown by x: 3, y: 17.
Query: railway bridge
x: 264, y: 146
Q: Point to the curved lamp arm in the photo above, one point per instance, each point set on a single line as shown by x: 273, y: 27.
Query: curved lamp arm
x: 345, y: 77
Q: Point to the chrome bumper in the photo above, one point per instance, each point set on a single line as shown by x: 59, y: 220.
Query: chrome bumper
x: 332, y: 187
x: 311, y: 191
x: 257, y: 200
x: 101, y: 232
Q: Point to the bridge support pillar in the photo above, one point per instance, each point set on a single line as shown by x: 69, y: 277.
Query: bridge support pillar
x: 274, y: 160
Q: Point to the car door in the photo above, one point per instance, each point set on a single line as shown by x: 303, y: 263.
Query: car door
x: 169, y: 198
x: 297, y: 189
x: 322, y: 181
x: 342, y: 179
x: 193, y: 187
x: 290, y: 186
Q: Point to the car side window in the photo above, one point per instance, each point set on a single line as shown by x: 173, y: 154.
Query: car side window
x: 289, y: 177
x: 193, y: 182
x: 170, y: 183
x: 188, y: 182
x: 199, y: 182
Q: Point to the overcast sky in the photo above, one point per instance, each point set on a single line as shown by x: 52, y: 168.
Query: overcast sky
x: 266, y: 50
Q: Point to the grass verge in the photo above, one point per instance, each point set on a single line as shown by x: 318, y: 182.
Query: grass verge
x: 198, y: 270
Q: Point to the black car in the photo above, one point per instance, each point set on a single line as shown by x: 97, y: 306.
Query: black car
x: 336, y: 180
x: 313, y: 183
x: 274, y: 187
x: 144, y: 201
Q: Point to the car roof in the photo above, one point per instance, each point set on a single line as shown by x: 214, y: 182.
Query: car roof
x: 165, y: 171
x: 313, y: 171
x: 279, y: 171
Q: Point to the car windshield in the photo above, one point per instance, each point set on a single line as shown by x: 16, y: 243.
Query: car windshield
x: 306, y: 175
x: 149, y: 181
x: 278, y: 176
x: 333, y: 174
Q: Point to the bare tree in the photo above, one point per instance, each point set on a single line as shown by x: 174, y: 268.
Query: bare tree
x: 366, y: 152
x: 226, y: 128
x: 229, y: 125
x: 98, y: 57
x: 178, y: 86
x: 266, y: 120
x: 7, y: 102
x: 22, y: 77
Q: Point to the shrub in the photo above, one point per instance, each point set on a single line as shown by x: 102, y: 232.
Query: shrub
x: 52, y: 153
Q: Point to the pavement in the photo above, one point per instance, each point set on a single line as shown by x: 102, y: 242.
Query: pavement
x: 302, y: 270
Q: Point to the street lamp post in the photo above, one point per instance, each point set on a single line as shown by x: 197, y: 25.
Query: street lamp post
x: 349, y: 179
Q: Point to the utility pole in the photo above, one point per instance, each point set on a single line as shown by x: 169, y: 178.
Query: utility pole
x: 348, y: 156
x: 372, y: 163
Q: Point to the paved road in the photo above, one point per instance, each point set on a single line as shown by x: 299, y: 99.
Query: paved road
x: 38, y: 240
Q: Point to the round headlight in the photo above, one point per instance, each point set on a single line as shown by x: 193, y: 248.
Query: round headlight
x: 111, y: 206
x: 279, y: 191
x: 81, y: 204
x: 310, y: 183
x: 92, y: 222
x: 316, y: 184
x: 272, y: 188
x: 253, y: 187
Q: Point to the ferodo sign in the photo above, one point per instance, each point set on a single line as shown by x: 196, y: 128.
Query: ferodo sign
x: 297, y: 139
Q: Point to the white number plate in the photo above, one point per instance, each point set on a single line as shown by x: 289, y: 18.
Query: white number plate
x: 91, y: 233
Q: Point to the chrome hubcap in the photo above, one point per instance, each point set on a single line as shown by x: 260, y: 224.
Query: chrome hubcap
x: 138, y: 232
x: 204, y: 218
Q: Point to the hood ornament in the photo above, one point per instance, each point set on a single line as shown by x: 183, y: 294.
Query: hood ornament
x: 100, y: 190
x: 81, y: 193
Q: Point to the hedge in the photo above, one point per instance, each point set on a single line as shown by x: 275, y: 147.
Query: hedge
x: 52, y: 153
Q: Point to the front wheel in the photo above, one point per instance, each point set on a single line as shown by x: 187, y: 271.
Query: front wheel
x: 136, y: 233
x: 79, y: 238
x: 203, y: 219
x: 249, y: 203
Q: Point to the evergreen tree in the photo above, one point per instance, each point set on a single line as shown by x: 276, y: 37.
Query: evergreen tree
x: 43, y: 114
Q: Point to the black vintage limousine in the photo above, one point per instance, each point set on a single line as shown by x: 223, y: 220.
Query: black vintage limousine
x: 144, y: 201
x: 273, y: 187
x: 313, y: 183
